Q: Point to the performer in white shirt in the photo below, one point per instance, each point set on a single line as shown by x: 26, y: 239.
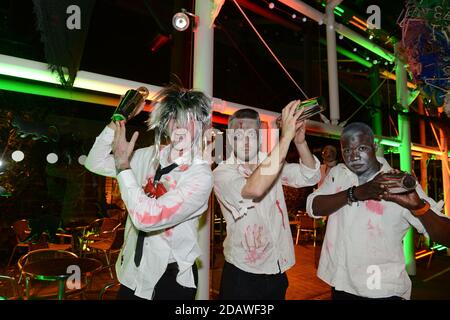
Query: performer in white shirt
x: 362, y: 253
x: 258, y: 247
x: 329, y: 154
x: 157, y: 260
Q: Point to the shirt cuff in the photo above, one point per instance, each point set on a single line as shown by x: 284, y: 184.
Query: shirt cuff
x: 127, y: 179
x: 107, y: 134
x: 244, y: 205
x: 309, y: 209
x: 307, y: 171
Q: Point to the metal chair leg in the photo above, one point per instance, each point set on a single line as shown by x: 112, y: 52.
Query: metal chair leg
x: 11, y: 257
x: 109, y: 264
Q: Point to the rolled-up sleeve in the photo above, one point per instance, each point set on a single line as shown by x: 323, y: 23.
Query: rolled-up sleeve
x: 228, y: 184
x: 298, y: 175
x: 328, y: 187
x: 100, y: 160
x: 187, y: 200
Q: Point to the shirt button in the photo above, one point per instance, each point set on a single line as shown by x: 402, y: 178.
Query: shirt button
x: 146, y: 244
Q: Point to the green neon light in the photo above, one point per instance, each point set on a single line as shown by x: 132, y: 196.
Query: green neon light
x: 337, y: 10
x: 443, y: 248
x: 350, y: 55
x: 437, y: 247
x: 38, y: 71
x: 49, y: 90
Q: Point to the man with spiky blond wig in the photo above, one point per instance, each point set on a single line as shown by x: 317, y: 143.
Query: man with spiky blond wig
x: 165, y: 190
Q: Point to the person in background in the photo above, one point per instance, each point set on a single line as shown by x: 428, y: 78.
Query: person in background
x: 329, y: 154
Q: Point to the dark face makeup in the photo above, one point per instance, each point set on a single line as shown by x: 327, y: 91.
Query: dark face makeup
x: 359, y: 155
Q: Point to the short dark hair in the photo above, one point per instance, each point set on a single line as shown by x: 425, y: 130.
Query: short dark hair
x: 358, y: 127
x: 245, y: 113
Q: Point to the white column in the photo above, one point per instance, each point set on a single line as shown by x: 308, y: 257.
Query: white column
x: 333, y: 88
x: 203, y: 80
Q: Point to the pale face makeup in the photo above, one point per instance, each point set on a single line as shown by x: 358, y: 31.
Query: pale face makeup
x: 181, y: 136
x: 244, y: 138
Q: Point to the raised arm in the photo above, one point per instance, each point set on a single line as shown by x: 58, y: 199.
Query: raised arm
x: 100, y: 160
x: 266, y: 173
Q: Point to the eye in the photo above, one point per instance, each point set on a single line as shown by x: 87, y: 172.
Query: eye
x: 238, y: 134
x: 363, y: 149
x: 251, y: 134
x: 346, y: 151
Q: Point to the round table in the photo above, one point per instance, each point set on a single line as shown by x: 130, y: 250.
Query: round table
x: 60, y: 269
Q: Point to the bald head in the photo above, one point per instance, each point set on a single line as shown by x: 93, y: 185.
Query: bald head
x: 355, y: 128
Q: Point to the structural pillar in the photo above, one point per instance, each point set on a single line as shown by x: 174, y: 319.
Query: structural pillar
x: 332, y: 62
x: 423, y: 141
x: 203, y: 80
x: 377, y: 117
x: 444, y: 159
x: 405, y: 153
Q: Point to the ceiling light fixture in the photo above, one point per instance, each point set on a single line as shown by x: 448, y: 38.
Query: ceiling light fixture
x: 181, y: 20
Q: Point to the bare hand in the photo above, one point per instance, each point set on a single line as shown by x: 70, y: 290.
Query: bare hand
x: 289, y: 126
x: 410, y: 200
x: 371, y: 190
x: 122, y: 149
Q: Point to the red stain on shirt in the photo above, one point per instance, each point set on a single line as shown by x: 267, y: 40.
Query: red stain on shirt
x: 370, y: 225
x: 375, y: 206
x: 166, y: 212
x: 285, y: 180
x: 173, y: 185
x: 168, y: 232
x: 338, y: 189
x: 281, y: 212
x: 183, y: 167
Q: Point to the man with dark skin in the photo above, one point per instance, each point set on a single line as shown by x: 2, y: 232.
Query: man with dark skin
x: 367, y: 224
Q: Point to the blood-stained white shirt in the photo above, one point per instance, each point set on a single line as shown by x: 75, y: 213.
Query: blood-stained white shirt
x: 259, y: 238
x: 171, y: 221
x: 362, y: 252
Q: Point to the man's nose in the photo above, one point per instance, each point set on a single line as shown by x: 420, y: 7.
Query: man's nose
x: 354, y: 154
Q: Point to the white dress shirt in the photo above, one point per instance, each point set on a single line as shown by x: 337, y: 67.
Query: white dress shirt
x: 259, y: 238
x: 171, y: 221
x: 364, y: 240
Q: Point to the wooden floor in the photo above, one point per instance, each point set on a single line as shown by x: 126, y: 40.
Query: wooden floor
x: 303, y: 283
x: 429, y: 283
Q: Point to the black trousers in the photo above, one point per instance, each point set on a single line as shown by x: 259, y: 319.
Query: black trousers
x: 342, y: 295
x: 167, y: 288
x: 237, y: 284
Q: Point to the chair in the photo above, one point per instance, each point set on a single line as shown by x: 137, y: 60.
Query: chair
x: 108, y: 239
x: 9, y: 289
x: 37, y: 255
x: 22, y: 232
x: 107, y: 288
x: 306, y: 224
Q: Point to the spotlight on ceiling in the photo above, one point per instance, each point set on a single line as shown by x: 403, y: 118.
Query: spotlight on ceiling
x: 181, y: 20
